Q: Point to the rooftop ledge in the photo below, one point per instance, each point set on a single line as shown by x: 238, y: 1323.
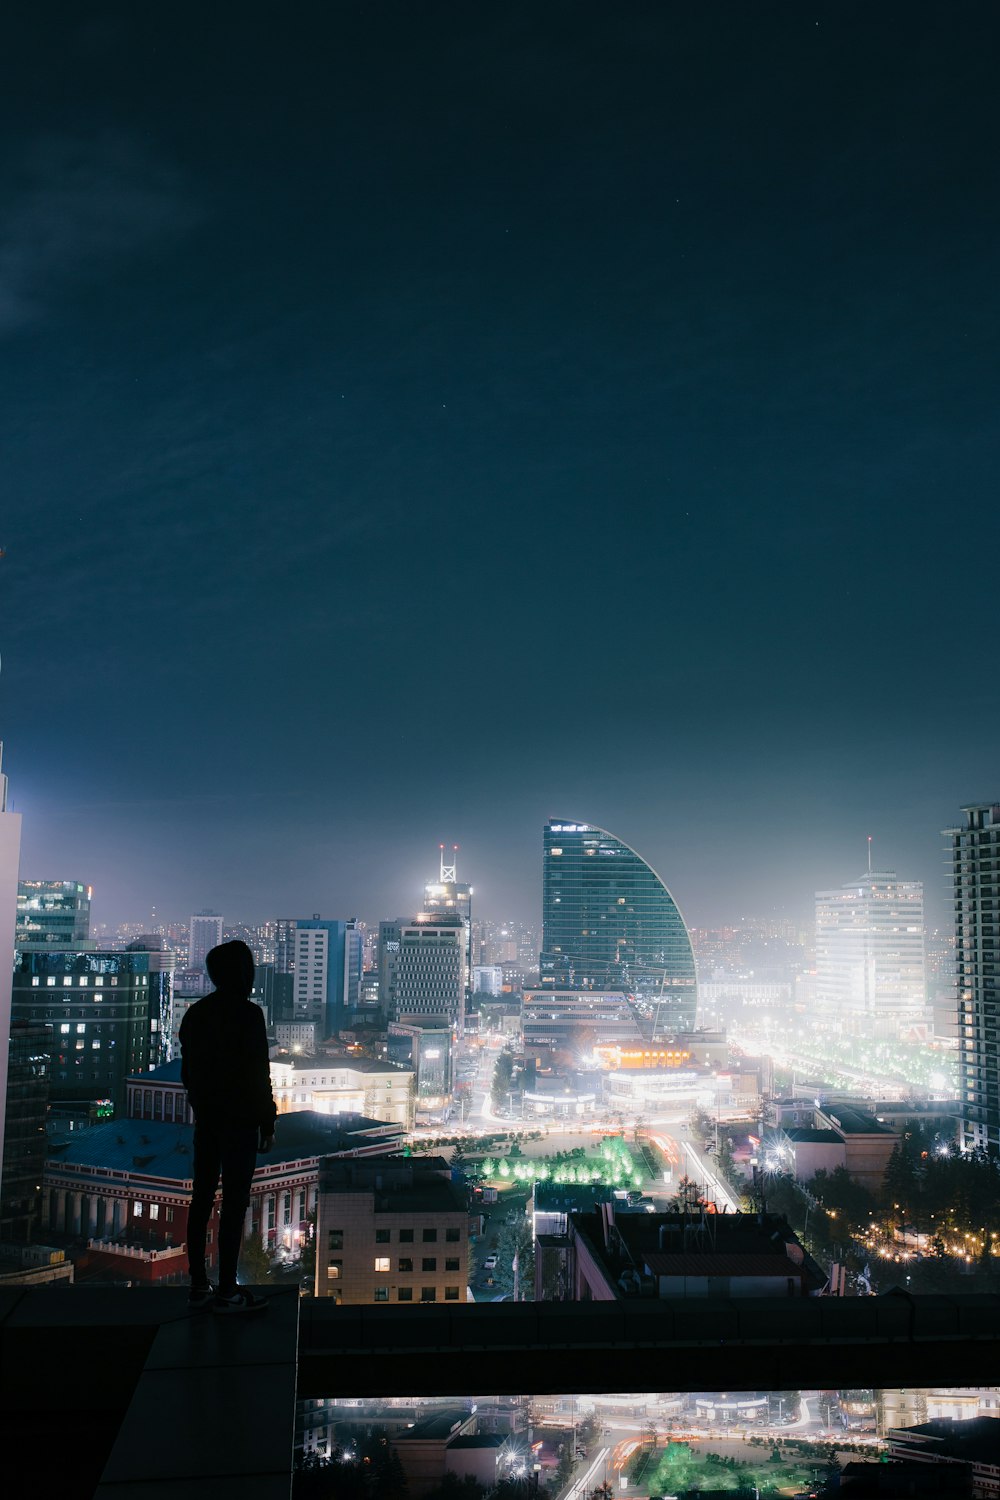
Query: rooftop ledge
x: 144, y: 1395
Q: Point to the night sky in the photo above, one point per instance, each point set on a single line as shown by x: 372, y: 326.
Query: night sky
x: 422, y: 419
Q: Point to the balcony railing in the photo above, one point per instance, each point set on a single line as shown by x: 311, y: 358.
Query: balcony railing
x: 107, y: 1391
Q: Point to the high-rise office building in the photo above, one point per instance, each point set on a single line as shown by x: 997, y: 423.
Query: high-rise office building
x: 55, y: 912
x: 975, y: 870
x: 327, y: 973
x: 97, y: 1004
x: 610, y: 923
x: 10, y: 849
x: 449, y: 894
x: 160, y: 1004
x: 870, y: 956
x: 390, y: 932
x: 205, y: 934
x: 429, y: 972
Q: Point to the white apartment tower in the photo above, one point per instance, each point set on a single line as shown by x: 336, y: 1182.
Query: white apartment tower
x: 870, y: 956
x: 206, y: 934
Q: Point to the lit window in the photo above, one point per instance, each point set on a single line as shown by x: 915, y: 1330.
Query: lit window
x: 34, y: 979
x: 137, y: 1209
x: 99, y: 980
x: 51, y: 979
x: 154, y: 1210
x: 64, y: 1028
x: 81, y: 1026
x: 381, y: 1262
x: 335, y: 1269
x: 84, y: 981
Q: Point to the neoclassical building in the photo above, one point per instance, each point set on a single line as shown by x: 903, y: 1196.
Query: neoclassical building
x: 118, y: 1193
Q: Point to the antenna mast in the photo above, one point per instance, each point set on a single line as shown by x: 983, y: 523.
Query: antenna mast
x: 449, y: 873
x: 869, y: 854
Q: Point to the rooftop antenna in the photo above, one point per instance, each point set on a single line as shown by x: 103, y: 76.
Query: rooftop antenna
x: 869, y: 854
x: 449, y: 873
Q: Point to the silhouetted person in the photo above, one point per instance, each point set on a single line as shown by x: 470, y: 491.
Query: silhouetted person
x: 224, y: 1067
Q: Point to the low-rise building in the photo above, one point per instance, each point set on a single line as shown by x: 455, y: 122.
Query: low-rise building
x: 973, y: 1445
x: 612, y: 1257
x: 391, y: 1229
x: 117, y: 1194
x: 837, y: 1133
x: 423, y: 1448
x: 345, y: 1085
x: 811, y: 1151
x: 868, y: 1144
x: 296, y: 1036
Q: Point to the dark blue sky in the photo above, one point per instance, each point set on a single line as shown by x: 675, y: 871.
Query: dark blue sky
x: 420, y: 420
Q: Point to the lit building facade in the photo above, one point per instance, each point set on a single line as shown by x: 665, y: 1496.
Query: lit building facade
x: 391, y: 1230
x: 975, y: 874
x: 449, y: 894
x: 428, y: 979
x: 609, y: 922
x: 487, y: 979
x: 54, y: 912
x: 98, y: 1006
x: 345, y: 1086
x: 160, y: 1002
x: 576, y: 1022
x: 124, y: 1188
x: 870, y: 956
x: 327, y: 980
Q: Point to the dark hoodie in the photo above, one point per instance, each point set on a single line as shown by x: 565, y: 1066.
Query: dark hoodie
x: 224, y: 1058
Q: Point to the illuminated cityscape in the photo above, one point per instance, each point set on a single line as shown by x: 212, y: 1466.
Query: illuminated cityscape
x: 499, y: 849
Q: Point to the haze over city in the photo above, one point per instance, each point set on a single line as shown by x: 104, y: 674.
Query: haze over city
x: 406, y: 440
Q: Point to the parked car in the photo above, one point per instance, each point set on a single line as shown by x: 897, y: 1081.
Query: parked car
x: 489, y: 1264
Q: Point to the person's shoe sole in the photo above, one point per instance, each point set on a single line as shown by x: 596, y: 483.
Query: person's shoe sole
x: 200, y: 1299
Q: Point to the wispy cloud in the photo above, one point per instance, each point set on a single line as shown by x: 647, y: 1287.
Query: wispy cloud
x: 75, y: 208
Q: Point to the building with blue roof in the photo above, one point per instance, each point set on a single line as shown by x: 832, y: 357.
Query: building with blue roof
x: 117, y: 1194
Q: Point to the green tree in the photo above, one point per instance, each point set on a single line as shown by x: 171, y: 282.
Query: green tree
x: 255, y: 1262
x: 686, y: 1195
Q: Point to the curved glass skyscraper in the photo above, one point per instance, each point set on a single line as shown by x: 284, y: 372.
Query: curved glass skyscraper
x: 610, y: 923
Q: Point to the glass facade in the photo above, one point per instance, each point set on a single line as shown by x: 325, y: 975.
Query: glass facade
x: 975, y: 867
x: 611, y: 923
x: 56, y: 912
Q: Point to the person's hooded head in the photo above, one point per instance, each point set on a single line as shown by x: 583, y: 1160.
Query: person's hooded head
x: 230, y: 968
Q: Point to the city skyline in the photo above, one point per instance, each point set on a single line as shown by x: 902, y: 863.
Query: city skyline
x: 798, y: 908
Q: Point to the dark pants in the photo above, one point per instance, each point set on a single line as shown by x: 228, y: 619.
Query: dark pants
x: 229, y: 1151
